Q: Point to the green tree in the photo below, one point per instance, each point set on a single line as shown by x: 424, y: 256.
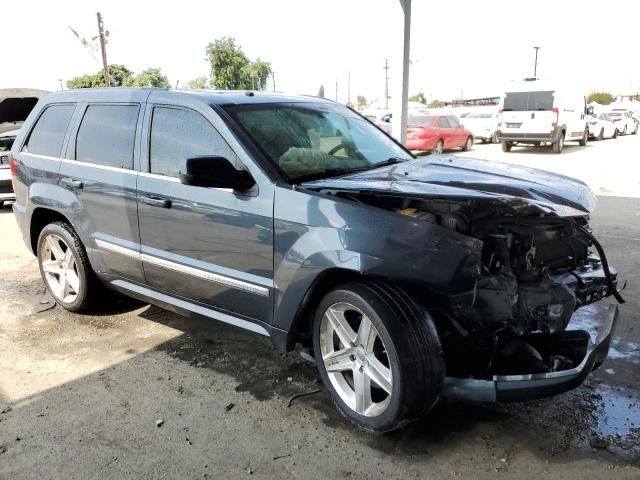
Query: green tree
x: 228, y: 64
x: 436, y: 104
x: 361, y: 100
x: 321, y: 91
x: 198, y: 83
x: 603, y: 98
x: 151, y: 77
x: 418, y: 98
x: 256, y: 75
x: 118, y: 75
x: 231, y: 69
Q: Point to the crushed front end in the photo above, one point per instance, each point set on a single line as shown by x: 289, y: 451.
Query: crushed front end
x: 533, y: 325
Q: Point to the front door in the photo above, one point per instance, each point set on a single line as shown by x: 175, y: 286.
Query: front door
x: 206, y: 245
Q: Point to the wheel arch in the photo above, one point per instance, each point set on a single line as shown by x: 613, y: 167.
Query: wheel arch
x: 40, y: 218
x: 301, y: 330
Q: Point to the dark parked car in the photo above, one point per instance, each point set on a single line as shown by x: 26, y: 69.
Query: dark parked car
x: 297, y: 219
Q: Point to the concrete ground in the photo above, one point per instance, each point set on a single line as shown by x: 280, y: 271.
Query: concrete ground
x: 138, y: 392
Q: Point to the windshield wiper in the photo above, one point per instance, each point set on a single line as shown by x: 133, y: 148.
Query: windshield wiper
x: 327, y: 172
x: 336, y: 172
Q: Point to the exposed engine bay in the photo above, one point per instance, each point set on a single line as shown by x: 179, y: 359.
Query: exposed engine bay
x: 535, y: 271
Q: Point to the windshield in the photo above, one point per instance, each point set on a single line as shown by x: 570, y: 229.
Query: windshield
x: 615, y: 114
x: 527, y: 101
x: 480, y: 115
x: 306, y: 140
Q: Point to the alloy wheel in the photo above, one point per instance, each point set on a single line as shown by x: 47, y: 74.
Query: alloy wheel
x: 60, y: 269
x: 355, y: 359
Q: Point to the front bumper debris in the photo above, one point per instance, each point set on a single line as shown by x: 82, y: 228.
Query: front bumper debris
x: 587, y: 336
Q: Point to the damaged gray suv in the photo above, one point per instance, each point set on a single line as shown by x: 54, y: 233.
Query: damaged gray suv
x: 297, y: 219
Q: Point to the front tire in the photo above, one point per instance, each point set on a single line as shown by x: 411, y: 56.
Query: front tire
x: 65, y: 267
x: 468, y: 144
x: 585, y: 138
x: 378, y: 354
x: 600, y: 135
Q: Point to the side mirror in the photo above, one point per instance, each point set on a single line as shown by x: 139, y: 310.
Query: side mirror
x: 215, y: 172
x: 589, y: 110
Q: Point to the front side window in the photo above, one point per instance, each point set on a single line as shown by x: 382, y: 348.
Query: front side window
x: 178, y: 134
x: 47, y: 135
x: 106, y: 135
x: 309, y: 140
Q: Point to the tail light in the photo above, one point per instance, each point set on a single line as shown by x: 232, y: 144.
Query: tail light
x: 556, y: 114
x: 500, y: 117
x: 13, y: 165
x: 424, y: 133
x: 593, y: 123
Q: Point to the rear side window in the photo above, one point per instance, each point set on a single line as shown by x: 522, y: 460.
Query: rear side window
x: 526, y: 101
x: 48, y: 133
x: 106, y: 135
x: 178, y: 134
x: 443, y: 122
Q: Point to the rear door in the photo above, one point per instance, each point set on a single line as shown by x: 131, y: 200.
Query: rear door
x: 445, y: 132
x: 528, y: 113
x: 208, y: 245
x: 99, y: 178
x: 458, y: 134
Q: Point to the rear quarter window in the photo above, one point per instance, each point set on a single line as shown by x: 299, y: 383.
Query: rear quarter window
x: 48, y: 133
x: 528, y: 101
x: 106, y: 135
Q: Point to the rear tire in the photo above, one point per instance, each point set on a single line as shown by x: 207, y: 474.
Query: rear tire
x: 468, y: 144
x: 624, y: 131
x: 558, y: 145
x: 1, y: 204
x: 615, y: 134
x: 600, y: 135
x: 439, y: 148
x: 506, y: 146
x: 494, y: 138
x: 585, y: 138
x: 378, y: 354
x: 65, y: 268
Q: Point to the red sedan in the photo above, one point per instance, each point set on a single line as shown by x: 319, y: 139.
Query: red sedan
x: 435, y: 133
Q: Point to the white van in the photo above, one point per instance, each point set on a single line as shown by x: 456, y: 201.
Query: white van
x: 532, y: 113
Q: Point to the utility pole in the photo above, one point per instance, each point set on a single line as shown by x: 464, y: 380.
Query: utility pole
x: 535, y: 65
x: 61, y: 87
x: 336, y: 89
x: 349, y: 89
x: 273, y: 77
x: 386, y: 83
x: 103, y: 47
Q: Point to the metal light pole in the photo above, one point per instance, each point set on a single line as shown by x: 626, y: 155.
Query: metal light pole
x: 406, y: 7
x: 535, y: 65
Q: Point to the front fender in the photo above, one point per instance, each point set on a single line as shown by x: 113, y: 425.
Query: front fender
x: 315, y: 232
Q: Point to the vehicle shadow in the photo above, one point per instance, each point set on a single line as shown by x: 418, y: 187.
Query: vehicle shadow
x: 569, y: 149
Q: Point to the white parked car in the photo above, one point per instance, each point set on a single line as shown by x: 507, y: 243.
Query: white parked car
x: 534, y: 113
x: 624, y: 121
x: 601, y: 126
x: 483, y: 125
x: 382, y: 120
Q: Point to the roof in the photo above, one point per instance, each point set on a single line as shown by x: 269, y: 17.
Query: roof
x: 218, y: 97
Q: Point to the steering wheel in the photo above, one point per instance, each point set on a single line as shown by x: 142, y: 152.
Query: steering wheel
x: 349, y: 148
x: 340, y: 146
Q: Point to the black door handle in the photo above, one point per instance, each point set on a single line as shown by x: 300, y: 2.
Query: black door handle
x: 156, y: 201
x: 71, y: 182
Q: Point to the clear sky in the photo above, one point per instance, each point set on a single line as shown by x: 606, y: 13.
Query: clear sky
x: 459, y: 46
